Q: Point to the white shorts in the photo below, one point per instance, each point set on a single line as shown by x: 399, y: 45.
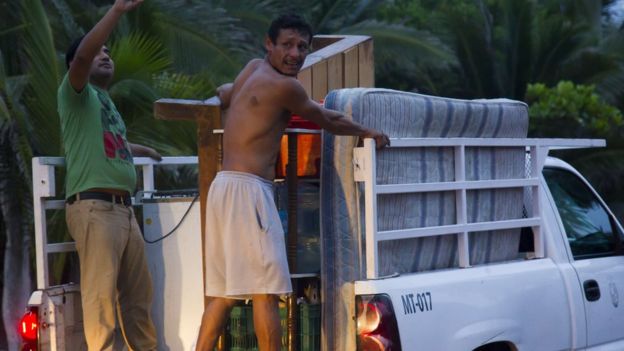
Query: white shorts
x: 245, y: 249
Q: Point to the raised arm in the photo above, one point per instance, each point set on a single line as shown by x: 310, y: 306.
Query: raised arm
x: 93, y: 42
x: 297, y: 101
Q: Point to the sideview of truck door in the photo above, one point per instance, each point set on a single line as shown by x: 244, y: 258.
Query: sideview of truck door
x: 595, y: 251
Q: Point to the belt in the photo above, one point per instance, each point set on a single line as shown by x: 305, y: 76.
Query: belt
x: 96, y: 195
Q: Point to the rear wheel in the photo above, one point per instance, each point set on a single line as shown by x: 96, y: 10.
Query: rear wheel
x: 497, y: 346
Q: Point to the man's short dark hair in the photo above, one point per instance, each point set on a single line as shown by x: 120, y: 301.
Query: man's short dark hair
x: 71, y: 51
x: 289, y: 21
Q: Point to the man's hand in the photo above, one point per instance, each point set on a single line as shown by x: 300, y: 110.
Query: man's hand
x: 153, y: 154
x: 381, y: 139
x: 144, y: 151
x: 124, y: 6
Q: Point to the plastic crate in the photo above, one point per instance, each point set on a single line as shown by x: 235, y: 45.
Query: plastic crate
x: 309, y: 327
x: 241, y: 333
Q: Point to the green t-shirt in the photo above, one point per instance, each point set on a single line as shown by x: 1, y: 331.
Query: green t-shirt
x: 94, y: 137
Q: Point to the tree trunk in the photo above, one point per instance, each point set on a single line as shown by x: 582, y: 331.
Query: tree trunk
x: 14, y: 204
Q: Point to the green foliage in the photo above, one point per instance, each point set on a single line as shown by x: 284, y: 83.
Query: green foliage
x: 503, y: 45
x: 139, y: 57
x: 412, y: 49
x: 42, y: 69
x: 571, y: 110
x: 413, y: 13
x: 576, y: 111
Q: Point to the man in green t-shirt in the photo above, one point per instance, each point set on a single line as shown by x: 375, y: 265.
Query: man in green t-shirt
x: 114, y: 278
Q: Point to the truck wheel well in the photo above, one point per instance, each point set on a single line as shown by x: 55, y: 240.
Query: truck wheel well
x: 497, y: 346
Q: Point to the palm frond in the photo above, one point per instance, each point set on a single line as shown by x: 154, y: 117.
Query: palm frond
x: 5, y: 115
x: 405, y: 41
x: 12, y: 115
x: 43, y: 79
x: 3, y: 75
x: 253, y: 20
x: 11, y: 26
x: 213, y: 36
x: 132, y: 97
x: 138, y: 57
x: 590, y: 66
x: 557, y: 40
x: 468, y: 27
x: 16, y: 85
x: 342, y: 13
x: 514, y: 47
x: 612, y: 86
x: 182, y: 86
x: 67, y: 18
x: 134, y: 100
x: 170, y: 138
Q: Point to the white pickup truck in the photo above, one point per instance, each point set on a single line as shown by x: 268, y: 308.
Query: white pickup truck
x: 555, y: 288
x: 562, y: 295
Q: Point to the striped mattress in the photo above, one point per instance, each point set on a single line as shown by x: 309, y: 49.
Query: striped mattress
x: 402, y: 114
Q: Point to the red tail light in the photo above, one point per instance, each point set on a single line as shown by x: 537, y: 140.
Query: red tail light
x: 29, y: 326
x: 377, y: 328
x: 29, y: 347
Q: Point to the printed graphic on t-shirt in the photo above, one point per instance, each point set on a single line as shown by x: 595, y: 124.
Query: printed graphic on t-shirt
x: 115, y: 144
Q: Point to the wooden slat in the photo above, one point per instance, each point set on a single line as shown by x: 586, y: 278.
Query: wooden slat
x: 350, y: 68
x: 181, y: 109
x: 366, y: 66
x: 311, y: 60
x: 321, y: 41
x: 305, y: 77
x: 335, y: 73
x: 346, y: 43
x: 319, y: 81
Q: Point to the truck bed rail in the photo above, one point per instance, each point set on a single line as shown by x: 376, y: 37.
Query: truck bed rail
x: 365, y: 171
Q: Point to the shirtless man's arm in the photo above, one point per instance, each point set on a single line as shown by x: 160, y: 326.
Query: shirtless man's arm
x: 295, y: 99
x: 224, y: 92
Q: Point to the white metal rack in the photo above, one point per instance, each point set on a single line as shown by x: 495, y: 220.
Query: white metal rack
x: 364, y: 162
x: 44, y: 191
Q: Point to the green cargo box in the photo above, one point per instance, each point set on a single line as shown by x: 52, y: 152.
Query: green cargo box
x: 241, y: 335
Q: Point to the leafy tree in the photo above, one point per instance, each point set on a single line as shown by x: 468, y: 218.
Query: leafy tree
x: 15, y: 209
x: 25, y: 126
x: 503, y: 45
x: 396, y: 44
x: 571, y: 111
x: 576, y: 111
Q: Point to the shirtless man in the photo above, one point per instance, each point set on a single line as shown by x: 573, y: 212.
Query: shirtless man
x: 245, y: 250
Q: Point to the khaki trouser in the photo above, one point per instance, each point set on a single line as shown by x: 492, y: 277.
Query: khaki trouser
x: 114, y: 278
